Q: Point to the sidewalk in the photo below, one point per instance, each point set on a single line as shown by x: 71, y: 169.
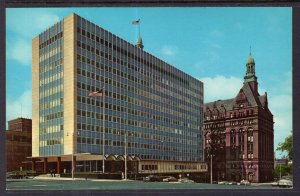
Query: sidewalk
x: 57, y: 177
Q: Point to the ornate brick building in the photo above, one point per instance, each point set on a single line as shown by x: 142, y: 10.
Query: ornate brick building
x: 239, y: 134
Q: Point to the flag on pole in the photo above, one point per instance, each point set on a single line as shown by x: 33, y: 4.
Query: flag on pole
x: 136, y: 22
x: 96, y: 93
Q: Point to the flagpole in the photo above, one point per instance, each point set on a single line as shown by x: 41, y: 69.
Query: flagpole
x: 103, y: 140
x: 139, y: 28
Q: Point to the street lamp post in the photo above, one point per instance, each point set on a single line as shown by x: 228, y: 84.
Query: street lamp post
x: 72, y: 161
x: 242, y: 171
x: 125, y: 156
x: 103, y: 131
x: 211, y: 179
x: 100, y: 93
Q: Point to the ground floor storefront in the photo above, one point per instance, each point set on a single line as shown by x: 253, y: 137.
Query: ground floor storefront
x: 114, y: 164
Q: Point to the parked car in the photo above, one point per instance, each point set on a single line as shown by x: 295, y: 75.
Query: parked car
x: 186, y: 180
x: 245, y: 182
x: 222, y: 182
x: 152, y: 178
x: 14, y: 175
x: 285, y: 183
x: 169, y: 179
x: 232, y: 183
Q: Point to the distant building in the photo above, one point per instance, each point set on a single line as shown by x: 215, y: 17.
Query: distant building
x: 157, y: 106
x: 239, y: 133
x: 283, y: 161
x: 18, y: 144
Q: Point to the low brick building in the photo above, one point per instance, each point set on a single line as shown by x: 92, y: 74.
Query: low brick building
x: 18, y: 144
x: 239, y: 134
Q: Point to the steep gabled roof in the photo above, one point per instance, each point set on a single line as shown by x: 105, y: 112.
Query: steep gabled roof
x: 253, y: 98
x: 226, y: 103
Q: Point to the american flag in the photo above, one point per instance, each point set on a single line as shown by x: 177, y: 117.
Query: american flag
x: 136, y: 22
x: 96, y: 93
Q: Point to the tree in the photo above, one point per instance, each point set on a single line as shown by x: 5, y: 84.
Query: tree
x: 287, y: 146
x: 282, y: 170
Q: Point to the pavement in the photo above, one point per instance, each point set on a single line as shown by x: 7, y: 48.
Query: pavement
x: 46, y: 182
x: 57, y: 177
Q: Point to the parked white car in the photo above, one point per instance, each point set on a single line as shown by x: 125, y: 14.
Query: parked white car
x: 285, y: 183
x: 245, y: 182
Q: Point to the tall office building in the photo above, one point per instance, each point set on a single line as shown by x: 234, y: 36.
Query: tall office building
x: 147, y: 107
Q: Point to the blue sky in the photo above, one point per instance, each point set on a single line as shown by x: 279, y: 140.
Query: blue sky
x: 211, y: 44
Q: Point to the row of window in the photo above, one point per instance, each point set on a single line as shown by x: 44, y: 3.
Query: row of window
x: 52, y: 116
x: 140, y: 124
x: 119, y: 73
x: 51, y: 66
x: 241, y: 122
x: 125, y: 110
x: 51, y: 104
x: 136, y: 145
x: 144, y: 73
x: 51, y: 142
x: 184, y: 167
x: 131, y: 55
x: 54, y: 90
x: 51, y: 129
x: 140, y: 102
x: 239, y: 166
x: 149, y: 167
x: 51, y: 53
x: 241, y: 114
x: 51, y: 40
x: 214, y: 125
x: 142, y: 134
x: 210, y: 116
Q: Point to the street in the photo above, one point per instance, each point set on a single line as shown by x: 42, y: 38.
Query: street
x: 81, y: 184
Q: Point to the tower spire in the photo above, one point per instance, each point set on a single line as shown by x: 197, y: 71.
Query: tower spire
x: 250, y: 76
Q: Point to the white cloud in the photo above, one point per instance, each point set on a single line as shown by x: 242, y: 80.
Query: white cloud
x: 31, y: 24
x: 169, y: 50
x: 281, y: 107
x: 20, y: 50
x: 20, y: 107
x: 221, y: 87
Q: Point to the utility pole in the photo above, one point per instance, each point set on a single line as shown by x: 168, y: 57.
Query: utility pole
x: 279, y: 171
